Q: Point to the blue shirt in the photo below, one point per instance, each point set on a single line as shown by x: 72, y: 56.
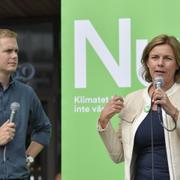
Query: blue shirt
x: 13, y: 159
x: 143, y: 147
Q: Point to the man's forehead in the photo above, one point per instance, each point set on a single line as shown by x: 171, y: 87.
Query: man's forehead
x: 8, y: 42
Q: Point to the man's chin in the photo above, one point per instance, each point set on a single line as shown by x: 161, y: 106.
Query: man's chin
x: 10, y: 71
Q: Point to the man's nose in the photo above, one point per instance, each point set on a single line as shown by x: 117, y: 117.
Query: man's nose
x: 14, y: 54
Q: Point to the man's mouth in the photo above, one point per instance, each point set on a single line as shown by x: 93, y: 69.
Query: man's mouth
x: 12, y: 63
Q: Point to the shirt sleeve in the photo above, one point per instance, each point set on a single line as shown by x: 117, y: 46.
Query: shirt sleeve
x: 100, y: 129
x: 39, y: 122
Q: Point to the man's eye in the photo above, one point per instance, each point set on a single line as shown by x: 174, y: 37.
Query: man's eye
x: 169, y: 58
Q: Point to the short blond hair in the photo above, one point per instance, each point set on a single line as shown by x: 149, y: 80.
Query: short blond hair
x: 7, y: 33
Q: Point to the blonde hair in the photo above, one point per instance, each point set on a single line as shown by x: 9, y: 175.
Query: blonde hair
x: 7, y: 33
x: 160, y: 40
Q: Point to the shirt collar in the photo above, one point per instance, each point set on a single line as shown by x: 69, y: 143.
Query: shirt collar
x: 11, y: 80
x: 11, y: 83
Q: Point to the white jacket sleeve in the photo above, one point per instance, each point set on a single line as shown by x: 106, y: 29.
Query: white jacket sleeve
x: 112, y: 141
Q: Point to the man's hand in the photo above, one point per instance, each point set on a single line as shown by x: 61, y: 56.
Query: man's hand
x: 7, y: 132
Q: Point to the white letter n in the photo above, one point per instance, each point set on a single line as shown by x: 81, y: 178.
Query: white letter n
x: 120, y: 72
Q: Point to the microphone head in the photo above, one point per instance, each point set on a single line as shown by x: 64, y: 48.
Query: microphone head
x: 15, y: 106
x: 158, y: 82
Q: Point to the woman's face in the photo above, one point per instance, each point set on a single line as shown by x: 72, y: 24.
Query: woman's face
x: 162, y: 62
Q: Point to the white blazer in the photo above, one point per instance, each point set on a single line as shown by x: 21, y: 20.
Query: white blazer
x: 120, y: 143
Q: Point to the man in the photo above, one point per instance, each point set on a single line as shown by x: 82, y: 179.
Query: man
x: 14, y: 157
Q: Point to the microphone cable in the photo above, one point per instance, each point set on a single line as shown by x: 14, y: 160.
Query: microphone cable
x: 152, y: 144
x: 152, y: 132
x: 162, y: 124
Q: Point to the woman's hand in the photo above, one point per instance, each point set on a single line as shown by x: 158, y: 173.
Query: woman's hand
x: 113, y: 107
x: 161, y: 98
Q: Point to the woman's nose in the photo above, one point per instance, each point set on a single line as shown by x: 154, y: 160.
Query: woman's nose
x: 161, y: 61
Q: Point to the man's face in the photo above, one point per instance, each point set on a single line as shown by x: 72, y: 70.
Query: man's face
x: 8, y: 55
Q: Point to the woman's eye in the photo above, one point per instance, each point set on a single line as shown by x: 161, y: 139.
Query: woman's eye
x: 154, y: 57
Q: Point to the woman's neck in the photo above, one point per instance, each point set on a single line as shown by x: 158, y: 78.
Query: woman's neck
x: 165, y: 87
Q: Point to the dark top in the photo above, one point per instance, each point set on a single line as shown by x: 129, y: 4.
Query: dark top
x: 143, y: 148
x: 12, y: 156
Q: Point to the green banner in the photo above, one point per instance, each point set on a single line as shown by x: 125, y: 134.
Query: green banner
x: 102, y: 43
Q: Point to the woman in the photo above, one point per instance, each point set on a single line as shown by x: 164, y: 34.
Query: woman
x: 148, y: 140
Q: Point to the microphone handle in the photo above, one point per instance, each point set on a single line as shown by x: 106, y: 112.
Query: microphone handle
x: 159, y: 109
x: 12, y: 116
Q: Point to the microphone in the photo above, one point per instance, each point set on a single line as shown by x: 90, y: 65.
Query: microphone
x: 158, y: 83
x: 14, y: 108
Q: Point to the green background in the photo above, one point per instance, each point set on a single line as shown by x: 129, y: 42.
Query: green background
x: 84, y: 156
